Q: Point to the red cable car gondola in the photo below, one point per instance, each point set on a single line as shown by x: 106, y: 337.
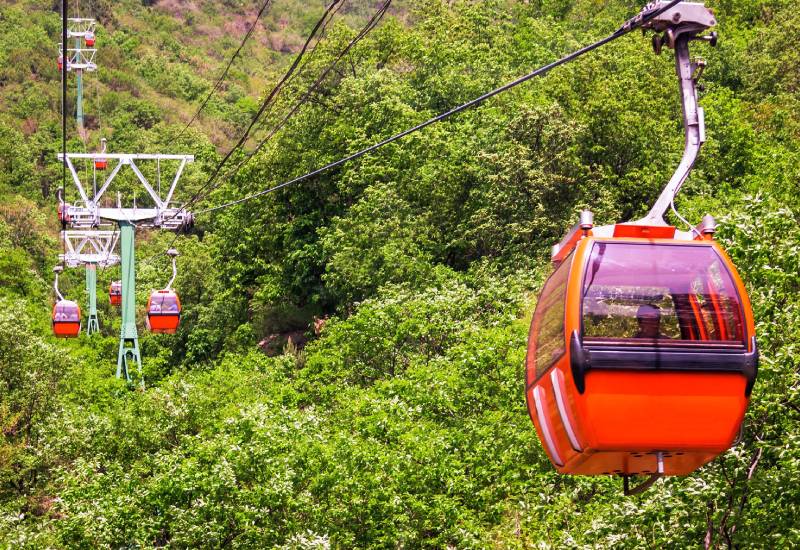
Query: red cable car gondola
x: 101, y: 163
x: 89, y: 39
x: 66, y: 319
x: 63, y: 212
x: 163, y: 311
x: 115, y: 293
x: 164, y: 306
x: 641, y: 354
x: 642, y: 351
x: 61, y: 64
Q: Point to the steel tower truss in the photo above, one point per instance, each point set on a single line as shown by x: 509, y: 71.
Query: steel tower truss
x: 162, y: 215
x: 90, y: 249
x: 79, y: 58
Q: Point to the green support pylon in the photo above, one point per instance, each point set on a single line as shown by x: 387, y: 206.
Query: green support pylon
x: 92, y: 324
x: 79, y: 99
x: 129, y: 337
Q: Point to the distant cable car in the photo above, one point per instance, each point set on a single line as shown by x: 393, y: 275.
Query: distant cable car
x: 66, y: 313
x: 115, y: 293
x: 89, y: 39
x: 101, y: 163
x: 642, y: 352
x: 164, y: 306
x: 61, y: 64
x: 163, y: 311
x: 66, y: 319
x: 63, y: 212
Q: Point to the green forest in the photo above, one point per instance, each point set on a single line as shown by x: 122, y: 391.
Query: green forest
x: 349, y: 367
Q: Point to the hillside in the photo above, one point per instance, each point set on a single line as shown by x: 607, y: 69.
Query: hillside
x: 348, y: 370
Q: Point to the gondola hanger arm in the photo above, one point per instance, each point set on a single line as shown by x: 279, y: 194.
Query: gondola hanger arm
x: 57, y: 270
x: 172, y: 253
x: 675, y: 28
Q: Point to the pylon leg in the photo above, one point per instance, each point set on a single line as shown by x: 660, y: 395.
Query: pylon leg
x: 79, y: 94
x: 92, y: 323
x: 129, y: 337
x: 128, y: 357
x: 79, y: 99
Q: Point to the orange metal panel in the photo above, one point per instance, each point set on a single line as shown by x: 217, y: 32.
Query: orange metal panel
x: 66, y: 330
x: 644, y: 231
x: 165, y: 324
x: 643, y: 411
x: 625, y: 417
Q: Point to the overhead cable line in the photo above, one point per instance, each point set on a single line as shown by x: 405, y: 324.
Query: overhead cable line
x: 369, y: 26
x: 318, y: 27
x: 307, y: 59
x: 64, y: 63
x: 221, y: 78
x: 269, y: 99
x: 644, y: 16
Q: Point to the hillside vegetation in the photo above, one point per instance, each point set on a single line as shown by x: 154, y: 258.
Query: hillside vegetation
x: 400, y: 421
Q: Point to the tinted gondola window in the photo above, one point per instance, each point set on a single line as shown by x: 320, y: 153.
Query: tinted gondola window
x: 67, y: 312
x: 164, y: 303
x: 548, y: 320
x: 670, y: 293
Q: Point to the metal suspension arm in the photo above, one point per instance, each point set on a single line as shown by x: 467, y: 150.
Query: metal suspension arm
x: 694, y: 129
x: 681, y: 25
x: 57, y: 269
x: 172, y: 253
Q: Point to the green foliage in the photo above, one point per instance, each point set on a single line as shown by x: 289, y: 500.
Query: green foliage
x: 30, y: 375
x: 386, y: 334
x: 381, y: 241
x: 402, y: 421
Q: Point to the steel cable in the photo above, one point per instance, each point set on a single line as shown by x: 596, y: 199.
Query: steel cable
x: 646, y: 15
x: 369, y: 26
x: 221, y: 78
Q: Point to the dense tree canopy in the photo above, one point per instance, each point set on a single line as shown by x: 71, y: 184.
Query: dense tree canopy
x: 348, y: 371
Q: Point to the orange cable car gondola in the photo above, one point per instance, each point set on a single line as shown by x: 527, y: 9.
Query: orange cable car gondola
x: 89, y: 39
x: 642, y: 352
x: 101, y: 163
x: 60, y: 63
x: 115, y: 293
x: 63, y: 212
x: 66, y: 314
x: 163, y: 311
x: 164, y: 306
x: 66, y: 319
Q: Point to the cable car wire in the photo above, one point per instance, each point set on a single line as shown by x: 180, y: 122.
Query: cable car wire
x: 368, y: 27
x: 307, y: 59
x: 224, y: 74
x: 64, y: 63
x: 270, y: 97
x: 294, y: 75
x: 320, y: 26
x: 646, y: 15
